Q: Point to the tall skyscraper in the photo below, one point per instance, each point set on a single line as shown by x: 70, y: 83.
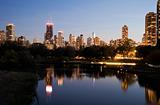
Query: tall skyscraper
x: 72, y: 40
x: 125, y: 32
x: 150, y: 37
x: 22, y: 41
x: 158, y: 23
x: 60, y: 39
x: 89, y: 42
x: 97, y: 41
x: 10, y: 32
x: 80, y: 42
x: 49, y: 32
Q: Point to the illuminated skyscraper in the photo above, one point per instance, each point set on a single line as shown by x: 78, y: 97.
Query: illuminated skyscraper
x: 80, y: 42
x: 72, y: 40
x: 89, y: 42
x: 10, y: 32
x: 158, y: 23
x: 97, y: 41
x: 150, y: 37
x: 125, y: 32
x: 48, y: 36
x: 60, y: 39
x: 22, y: 41
x: 49, y: 32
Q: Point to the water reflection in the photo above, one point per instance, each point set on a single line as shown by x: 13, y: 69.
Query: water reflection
x: 151, y: 83
x: 126, y: 80
x: 77, y: 82
x: 48, y: 80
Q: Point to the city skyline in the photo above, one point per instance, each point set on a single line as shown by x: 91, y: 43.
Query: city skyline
x: 77, y: 17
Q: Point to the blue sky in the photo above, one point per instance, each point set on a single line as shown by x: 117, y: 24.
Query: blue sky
x: 104, y: 17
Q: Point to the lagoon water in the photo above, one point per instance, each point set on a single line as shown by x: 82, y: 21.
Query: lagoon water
x: 95, y: 86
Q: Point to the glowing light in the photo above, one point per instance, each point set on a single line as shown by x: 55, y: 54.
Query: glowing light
x: 118, y: 63
x: 49, y: 89
x: 50, y: 24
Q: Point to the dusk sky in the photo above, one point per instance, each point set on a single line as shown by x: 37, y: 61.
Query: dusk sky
x: 104, y: 17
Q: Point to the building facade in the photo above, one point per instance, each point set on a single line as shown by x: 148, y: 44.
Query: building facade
x: 150, y: 37
x: 158, y: 23
x: 60, y: 39
x: 72, y: 40
x: 125, y: 32
x: 10, y: 32
x: 2, y: 36
x: 49, y: 32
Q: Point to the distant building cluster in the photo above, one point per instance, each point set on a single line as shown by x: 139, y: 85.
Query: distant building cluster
x: 10, y: 35
x: 151, y: 37
x: 121, y: 41
x: 52, y: 41
x: 56, y: 41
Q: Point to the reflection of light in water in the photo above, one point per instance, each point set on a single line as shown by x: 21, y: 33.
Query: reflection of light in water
x: 49, y: 89
x: 60, y: 81
x: 117, y: 63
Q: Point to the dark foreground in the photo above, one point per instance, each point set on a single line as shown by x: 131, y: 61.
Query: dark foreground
x: 17, y: 88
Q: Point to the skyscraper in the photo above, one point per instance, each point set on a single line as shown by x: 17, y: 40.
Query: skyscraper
x: 60, y: 39
x: 10, y: 32
x: 49, y: 32
x: 125, y: 32
x: 89, y: 42
x: 150, y: 37
x: 158, y: 23
x: 72, y: 40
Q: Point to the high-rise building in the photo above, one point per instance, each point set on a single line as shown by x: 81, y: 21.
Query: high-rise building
x: 150, y: 37
x: 72, y: 40
x: 158, y: 23
x: 22, y: 41
x: 49, y: 32
x: 97, y: 41
x: 2, y: 36
x: 80, y: 42
x: 125, y: 32
x: 60, y: 39
x: 89, y: 42
x: 48, y: 36
x: 10, y: 32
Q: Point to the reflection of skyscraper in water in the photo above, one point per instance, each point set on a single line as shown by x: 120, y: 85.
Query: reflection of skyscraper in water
x: 48, y: 80
x: 60, y: 81
x: 151, y: 97
x: 126, y: 80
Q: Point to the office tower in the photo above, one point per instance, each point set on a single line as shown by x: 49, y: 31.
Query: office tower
x: 60, y: 39
x: 10, y: 32
x: 49, y: 32
x: 89, y: 42
x: 72, y: 40
x: 80, y: 42
x: 22, y: 41
x: 150, y: 37
x: 125, y: 32
x: 158, y: 23
x: 2, y: 36
x: 97, y: 41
